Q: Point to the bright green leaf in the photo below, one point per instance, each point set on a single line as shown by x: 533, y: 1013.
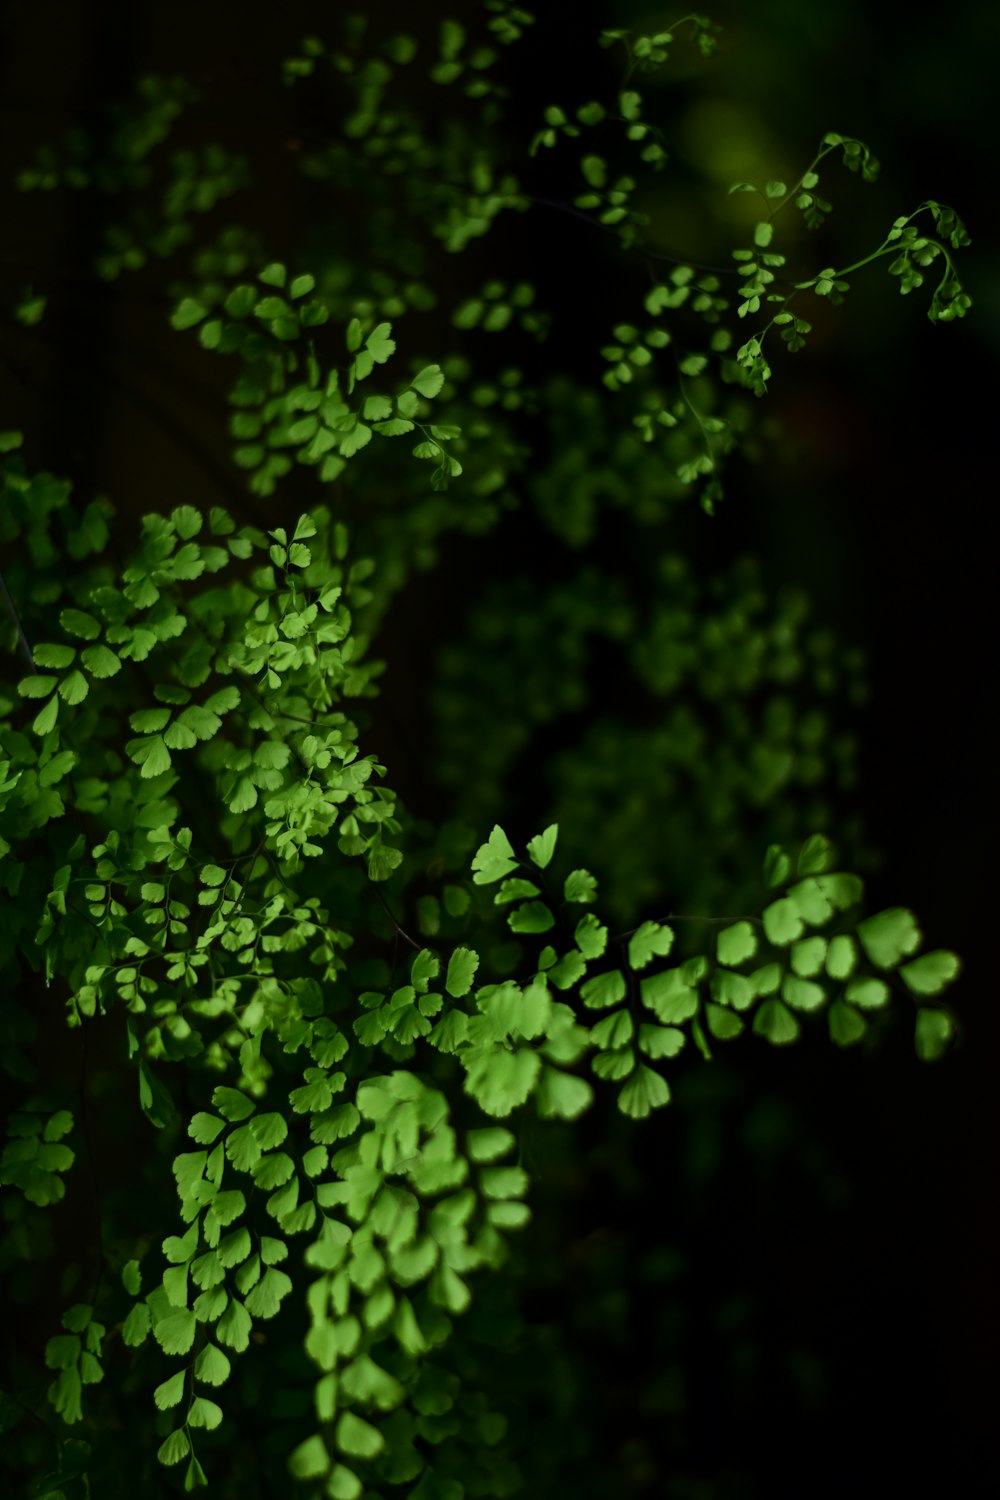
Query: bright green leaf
x: 644, y: 1092
x: 933, y: 1032
x: 649, y: 941
x: 542, y: 847
x: 931, y: 973
x: 736, y: 944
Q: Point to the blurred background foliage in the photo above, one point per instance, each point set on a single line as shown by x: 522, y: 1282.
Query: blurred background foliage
x: 782, y: 1285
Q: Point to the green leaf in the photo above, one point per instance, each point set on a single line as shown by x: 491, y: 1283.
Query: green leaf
x: 503, y: 1182
x: 532, y: 916
x: 187, y: 313
x: 171, y: 1391
x: 590, y: 936
x: 802, y: 994
x: 232, y: 1104
x: 766, y: 980
x: 807, y: 956
x: 266, y: 1297
x: 136, y: 1326
x: 502, y: 1080
x: 841, y: 956
x: 736, y: 944
x: 233, y: 1328
x: 204, y: 1128
x: 65, y: 1395
x: 542, y: 847
x: 613, y: 1031
x: 204, y: 1413
x: 232, y: 1250
x: 424, y: 968
x: 314, y: 1096
x: 782, y: 922
x: 151, y: 754
x: 359, y: 436
x: 377, y: 408
x: 660, y: 1041
x: 777, y: 865
x: 392, y: 427
x: 224, y: 1208
x: 149, y: 720
x: 62, y: 1351
x: 489, y: 1144
x: 47, y: 655
x: 244, y: 798
x: 810, y: 899
x: 841, y: 891
x: 154, y: 1098
x: 175, y: 1334
x: 78, y: 622
x: 513, y: 889
x: 562, y: 1096
x: 644, y: 1092
x: 310, y: 1459
x: 212, y: 1367
x: 355, y: 1436
x: 382, y: 860
x: 815, y: 856
x: 210, y: 1304
x: 889, y: 936
x: 931, y: 973
x: 722, y: 1023
x: 56, y: 1126
x: 36, y: 687
x: 869, y: 994
x: 174, y: 1448
x: 569, y: 970
x: 669, y: 996
x: 648, y: 942
x: 462, y: 966
x: 603, y: 989
x: 580, y: 886
x: 429, y: 381
x: 933, y: 1033
x: 846, y: 1026
x: 175, y: 1284
x: 131, y: 1277
x: 239, y: 304
x: 195, y: 1477
x: 273, y: 1171
x: 379, y: 344
x: 269, y: 1130
x: 494, y: 859
x: 776, y: 1022
x: 45, y: 719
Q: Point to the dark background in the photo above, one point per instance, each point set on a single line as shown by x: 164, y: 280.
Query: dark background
x: 831, y: 1303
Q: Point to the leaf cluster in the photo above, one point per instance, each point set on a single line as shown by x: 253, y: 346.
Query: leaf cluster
x: 200, y: 855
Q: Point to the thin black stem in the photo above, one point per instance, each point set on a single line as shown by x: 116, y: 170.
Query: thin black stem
x: 674, y: 260
x: 21, y: 637
x: 399, y: 930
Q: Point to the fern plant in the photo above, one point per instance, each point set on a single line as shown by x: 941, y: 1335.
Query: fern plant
x: 325, y: 1019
